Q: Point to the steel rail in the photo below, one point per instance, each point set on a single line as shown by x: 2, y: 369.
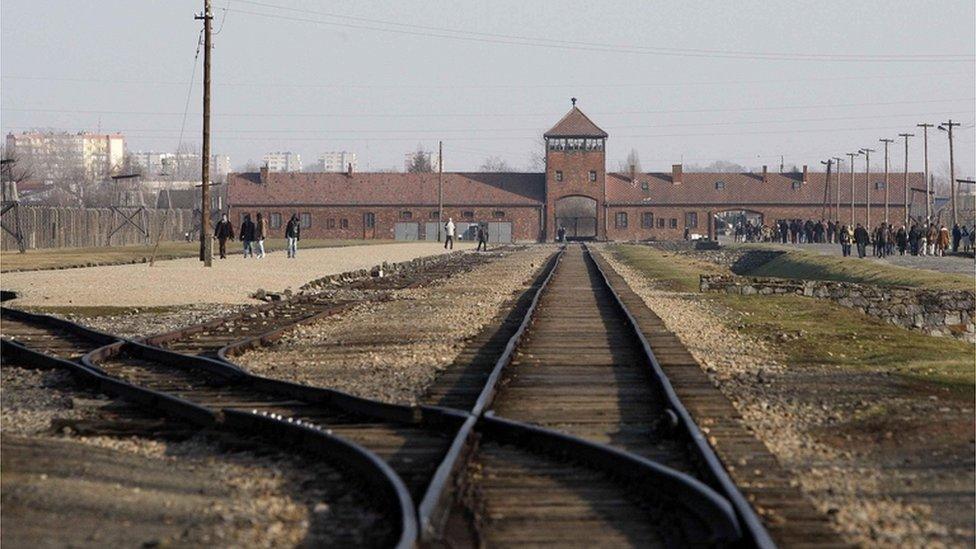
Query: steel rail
x: 753, y: 524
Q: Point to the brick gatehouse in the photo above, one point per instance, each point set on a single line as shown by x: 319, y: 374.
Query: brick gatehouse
x: 575, y: 192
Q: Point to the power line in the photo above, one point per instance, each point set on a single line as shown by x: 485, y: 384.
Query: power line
x: 509, y: 39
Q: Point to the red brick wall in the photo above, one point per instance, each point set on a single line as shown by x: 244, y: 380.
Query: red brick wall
x: 526, y: 221
x: 576, y: 167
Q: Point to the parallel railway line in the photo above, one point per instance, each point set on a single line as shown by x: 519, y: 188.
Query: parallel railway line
x: 553, y: 426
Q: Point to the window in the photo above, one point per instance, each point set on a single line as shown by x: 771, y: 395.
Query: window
x: 557, y: 144
x: 621, y: 220
x: 306, y: 220
x: 647, y: 220
x: 574, y: 144
x: 275, y: 221
x: 879, y: 185
x: 691, y: 220
x: 660, y: 223
x: 594, y: 144
x: 797, y: 185
x: 644, y: 186
x: 498, y: 214
x: 369, y: 220
x: 467, y: 214
x: 406, y: 214
x: 719, y: 185
x: 435, y: 215
x: 592, y: 175
x: 330, y: 223
x: 673, y: 223
x: 343, y: 223
x: 559, y: 175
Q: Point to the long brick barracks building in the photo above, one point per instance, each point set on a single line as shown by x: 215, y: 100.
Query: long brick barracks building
x: 575, y: 192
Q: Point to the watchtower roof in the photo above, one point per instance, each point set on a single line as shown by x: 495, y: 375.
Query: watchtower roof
x: 575, y: 124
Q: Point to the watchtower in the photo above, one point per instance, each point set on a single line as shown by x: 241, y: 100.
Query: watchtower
x: 576, y: 177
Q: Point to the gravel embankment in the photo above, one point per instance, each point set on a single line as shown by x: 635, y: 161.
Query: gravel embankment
x: 870, y: 492
x: 164, y: 492
x: 393, y: 350
x: 136, y: 322
x: 187, y: 282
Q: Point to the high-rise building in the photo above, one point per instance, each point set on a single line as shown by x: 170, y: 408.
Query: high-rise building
x: 337, y: 161
x: 283, y: 162
x: 82, y: 156
x: 178, y: 166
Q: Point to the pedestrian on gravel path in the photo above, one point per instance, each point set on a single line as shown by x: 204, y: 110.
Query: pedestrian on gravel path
x: 247, y: 235
x: 845, y: 237
x: 914, y: 236
x: 449, y: 234
x: 901, y: 238
x: 223, y: 231
x: 292, y: 235
x: 956, y: 237
x: 942, y: 241
x: 861, y: 238
x: 260, y: 232
x: 482, y: 238
x: 971, y: 246
x: 931, y: 235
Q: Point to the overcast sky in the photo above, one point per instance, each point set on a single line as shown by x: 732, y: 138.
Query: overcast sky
x: 745, y: 81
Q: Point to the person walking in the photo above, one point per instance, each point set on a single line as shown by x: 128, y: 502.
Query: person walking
x: 931, y: 236
x: 942, y: 241
x: 913, y: 239
x: 223, y: 231
x: 293, y: 232
x: 861, y: 238
x: 561, y: 233
x: 901, y: 239
x: 964, y: 239
x: 449, y: 233
x: 482, y: 238
x: 260, y: 231
x: 956, y: 237
x: 879, y: 241
x: 845, y: 237
x: 972, y: 239
x: 247, y: 235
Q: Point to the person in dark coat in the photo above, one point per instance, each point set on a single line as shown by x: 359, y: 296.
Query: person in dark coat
x: 293, y: 231
x: 482, y: 238
x: 223, y: 231
x: 861, y: 238
x: 913, y: 239
x: 956, y: 237
x: 845, y: 241
x: 881, y: 240
x: 561, y: 233
x: 901, y: 239
x: 247, y: 235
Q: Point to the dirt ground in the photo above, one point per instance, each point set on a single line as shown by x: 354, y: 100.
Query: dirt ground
x: 186, y: 281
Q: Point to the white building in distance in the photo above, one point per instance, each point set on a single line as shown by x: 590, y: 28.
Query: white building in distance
x: 337, y: 161
x: 283, y: 162
x: 57, y: 156
x: 181, y: 166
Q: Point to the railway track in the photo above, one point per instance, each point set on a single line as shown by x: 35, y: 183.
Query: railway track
x: 555, y: 425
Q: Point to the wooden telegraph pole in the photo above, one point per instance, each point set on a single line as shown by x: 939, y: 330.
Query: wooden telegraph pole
x: 947, y: 127
x: 928, y: 190
x: 206, y: 243
x: 440, y: 188
x: 852, y: 155
x: 886, y: 143
x: 825, y: 211
x: 837, y: 190
x: 906, y: 136
x: 867, y: 187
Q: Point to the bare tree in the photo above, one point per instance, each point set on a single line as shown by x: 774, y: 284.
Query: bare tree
x: 495, y: 164
x: 633, y: 160
x: 719, y: 166
x: 420, y: 162
x: 537, y: 158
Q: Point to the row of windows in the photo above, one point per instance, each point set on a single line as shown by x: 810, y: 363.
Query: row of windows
x: 575, y: 144
x: 559, y: 175
x: 647, y: 221
x: 407, y: 215
x: 369, y: 218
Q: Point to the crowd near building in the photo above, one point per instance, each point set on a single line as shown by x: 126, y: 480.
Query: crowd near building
x: 576, y: 193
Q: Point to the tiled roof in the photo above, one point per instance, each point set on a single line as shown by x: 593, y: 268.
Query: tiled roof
x: 493, y: 188
x: 575, y: 124
x: 748, y: 188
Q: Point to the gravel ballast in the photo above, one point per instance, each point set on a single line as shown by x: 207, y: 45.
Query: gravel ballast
x: 393, y: 350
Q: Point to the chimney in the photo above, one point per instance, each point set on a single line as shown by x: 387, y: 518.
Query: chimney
x: 633, y: 172
x: 765, y: 178
x: 676, y: 174
x: 805, y: 174
x: 264, y: 174
x: 349, y: 169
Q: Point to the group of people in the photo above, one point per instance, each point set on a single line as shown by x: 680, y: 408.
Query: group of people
x: 926, y: 240
x: 253, y: 234
x: 450, y: 232
x: 788, y: 231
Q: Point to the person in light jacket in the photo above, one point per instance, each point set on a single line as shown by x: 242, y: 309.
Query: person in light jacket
x: 260, y: 232
x: 449, y: 234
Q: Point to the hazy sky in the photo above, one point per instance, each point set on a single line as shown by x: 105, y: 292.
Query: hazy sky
x: 807, y: 80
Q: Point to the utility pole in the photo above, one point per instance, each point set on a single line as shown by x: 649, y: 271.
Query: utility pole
x: 906, y: 136
x: 781, y: 163
x: 206, y: 243
x: 440, y: 188
x: 852, y: 155
x: 867, y: 187
x: 837, y: 189
x: 947, y: 127
x: 928, y: 190
x: 886, y: 143
x: 825, y: 211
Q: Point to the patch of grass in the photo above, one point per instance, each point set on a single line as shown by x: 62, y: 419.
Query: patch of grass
x: 812, y: 266
x: 59, y: 258
x: 819, y: 331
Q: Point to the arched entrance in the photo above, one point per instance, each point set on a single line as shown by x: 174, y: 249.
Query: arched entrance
x: 577, y: 214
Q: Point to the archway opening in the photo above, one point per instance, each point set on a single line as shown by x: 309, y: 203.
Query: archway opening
x: 577, y: 216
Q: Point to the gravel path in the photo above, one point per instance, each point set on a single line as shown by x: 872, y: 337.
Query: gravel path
x: 186, y: 281
x: 393, y: 350
x: 875, y: 498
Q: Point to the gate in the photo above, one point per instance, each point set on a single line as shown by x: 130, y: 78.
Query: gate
x: 577, y: 215
x: 577, y: 228
x: 430, y: 231
x: 406, y: 231
x: 500, y: 232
